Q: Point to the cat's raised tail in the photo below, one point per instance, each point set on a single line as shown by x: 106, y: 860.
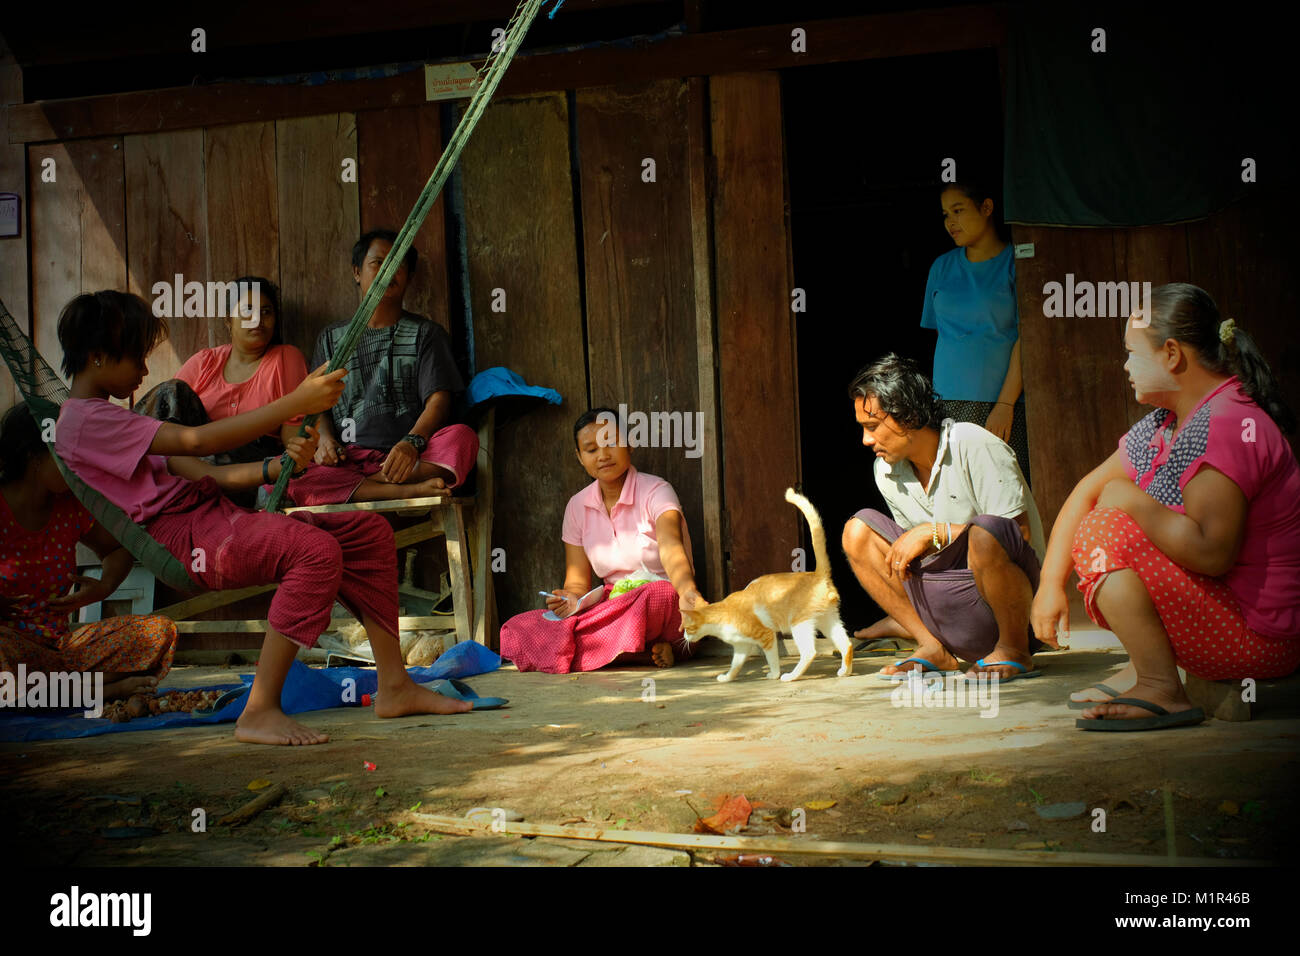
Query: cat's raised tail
x: 815, y: 526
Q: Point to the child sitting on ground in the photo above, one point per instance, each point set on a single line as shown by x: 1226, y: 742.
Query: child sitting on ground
x: 315, y: 559
x: 40, y: 525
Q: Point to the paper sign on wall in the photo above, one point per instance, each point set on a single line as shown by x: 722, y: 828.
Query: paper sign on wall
x: 449, y: 81
x: 10, y: 219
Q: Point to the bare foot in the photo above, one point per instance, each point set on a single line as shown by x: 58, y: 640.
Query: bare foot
x: 429, y: 488
x: 998, y: 654
x: 274, y: 726
x: 408, y: 697
x: 1122, y: 682
x: 126, y: 686
x: 936, y: 654
x: 662, y: 653
x: 1171, y: 698
x: 885, y: 627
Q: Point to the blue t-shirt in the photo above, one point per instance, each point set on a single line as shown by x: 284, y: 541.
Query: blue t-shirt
x: 973, y: 306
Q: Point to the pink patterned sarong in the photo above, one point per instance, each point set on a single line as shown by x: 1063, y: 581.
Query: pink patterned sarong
x: 454, y: 448
x: 628, y: 624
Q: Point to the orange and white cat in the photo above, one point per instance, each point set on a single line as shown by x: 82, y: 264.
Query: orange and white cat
x: 798, y: 603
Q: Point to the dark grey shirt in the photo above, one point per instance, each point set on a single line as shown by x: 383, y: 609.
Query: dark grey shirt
x: 390, y: 377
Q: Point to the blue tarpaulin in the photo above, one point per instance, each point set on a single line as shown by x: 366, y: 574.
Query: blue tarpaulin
x: 305, y: 688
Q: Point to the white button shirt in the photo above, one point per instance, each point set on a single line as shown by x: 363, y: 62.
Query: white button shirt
x: 975, y: 473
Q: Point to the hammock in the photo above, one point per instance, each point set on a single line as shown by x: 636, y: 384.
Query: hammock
x: 45, y: 392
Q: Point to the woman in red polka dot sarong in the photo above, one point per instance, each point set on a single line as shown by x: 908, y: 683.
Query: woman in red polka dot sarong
x: 621, y: 525
x: 1187, y: 539
x: 40, y: 525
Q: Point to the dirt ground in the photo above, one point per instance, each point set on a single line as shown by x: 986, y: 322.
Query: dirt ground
x: 590, y: 747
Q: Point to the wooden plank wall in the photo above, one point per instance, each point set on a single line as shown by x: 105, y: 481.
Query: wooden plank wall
x: 242, y: 192
x: 757, y: 384
x: 256, y: 198
x: 319, y: 223
x: 13, y: 251
x: 641, y: 341
x: 520, y: 237
x: 1073, y: 367
x: 167, y: 235
x: 398, y: 149
x: 78, y: 230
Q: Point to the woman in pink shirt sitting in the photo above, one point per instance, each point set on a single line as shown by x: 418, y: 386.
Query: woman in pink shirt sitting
x: 624, y: 525
x: 1187, y: 539
x: 254, y: 370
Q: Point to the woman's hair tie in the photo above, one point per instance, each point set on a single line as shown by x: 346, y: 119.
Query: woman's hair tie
x: 1227, y: 331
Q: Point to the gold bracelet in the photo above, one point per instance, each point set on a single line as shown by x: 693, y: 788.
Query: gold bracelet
x: 934, y: 536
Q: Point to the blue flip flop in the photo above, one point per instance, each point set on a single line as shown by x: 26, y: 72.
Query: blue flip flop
x: 450, y: 687
x: 229, y: 697
x: 1024, y: 672
x: 927, y: 668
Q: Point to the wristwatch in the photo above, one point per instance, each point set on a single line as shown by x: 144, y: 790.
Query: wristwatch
x: 418, y: 442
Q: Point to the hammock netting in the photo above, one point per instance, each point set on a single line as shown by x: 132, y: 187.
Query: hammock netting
x: 45, y: 392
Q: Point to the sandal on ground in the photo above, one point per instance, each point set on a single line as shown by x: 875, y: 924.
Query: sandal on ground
x: 1163, y: 718
x: 879, y: 645
x: 450, y: 687
x: 1021, y: 671
x: 927, y: 668
x: 1085, y: 704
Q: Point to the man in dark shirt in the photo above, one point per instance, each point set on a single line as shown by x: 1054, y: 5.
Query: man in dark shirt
x: 391, y: 434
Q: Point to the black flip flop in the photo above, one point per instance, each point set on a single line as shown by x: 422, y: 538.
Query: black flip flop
x: 1162, y: 719
x: 1085, y: 704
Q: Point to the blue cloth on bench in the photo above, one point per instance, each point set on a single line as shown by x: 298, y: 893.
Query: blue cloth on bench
x: 305, y: 688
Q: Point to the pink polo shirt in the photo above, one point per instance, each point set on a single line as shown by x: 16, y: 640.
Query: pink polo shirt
x: 617, y: 543
x: 1229, y: 432
x: 108, y: 448
x: 281, y: 370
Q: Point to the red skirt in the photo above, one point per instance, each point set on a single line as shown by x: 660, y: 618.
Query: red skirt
x: 1200, y: 614
x: 628, y: 624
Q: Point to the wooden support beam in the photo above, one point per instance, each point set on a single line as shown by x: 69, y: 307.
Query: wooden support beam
x: 869, y: 37
x: 453, y: 527
x: 400, y: 506
x: 791, y: 846
x: 211, y: 599
x: 419, y: 623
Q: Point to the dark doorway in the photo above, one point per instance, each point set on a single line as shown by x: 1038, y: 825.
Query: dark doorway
x: 864, y: 144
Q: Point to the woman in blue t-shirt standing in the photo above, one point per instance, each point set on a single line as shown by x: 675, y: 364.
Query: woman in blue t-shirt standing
x: 970, y: 299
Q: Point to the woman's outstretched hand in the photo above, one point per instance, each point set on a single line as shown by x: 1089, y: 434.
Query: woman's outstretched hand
x: 90, y: 591
x: 560, y: 599
x: 319, y: 391
x: 690, y: 599
x: 1050, y: 615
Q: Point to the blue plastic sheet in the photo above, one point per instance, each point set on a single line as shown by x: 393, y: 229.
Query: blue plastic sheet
x: 305, y: 688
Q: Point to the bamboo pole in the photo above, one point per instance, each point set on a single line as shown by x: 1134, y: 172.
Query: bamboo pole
x: 970, y: 856
x: 253, y: 807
